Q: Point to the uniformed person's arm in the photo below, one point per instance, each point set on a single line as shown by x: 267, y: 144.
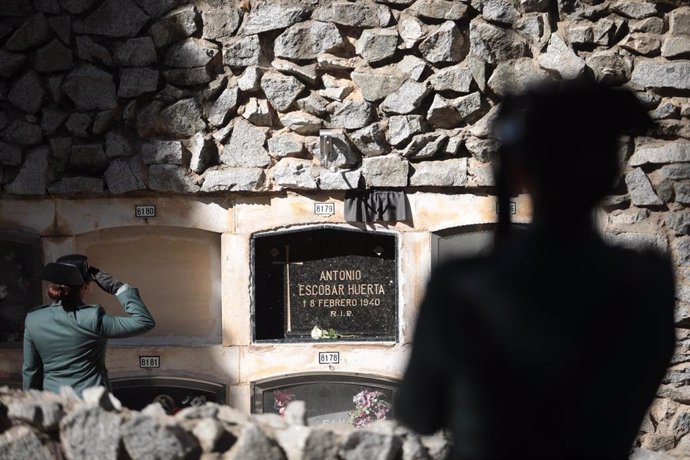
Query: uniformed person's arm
x: 32, y: 368
x: 137, y: 321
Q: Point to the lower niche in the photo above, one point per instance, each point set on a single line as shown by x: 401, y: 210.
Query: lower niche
x: 173, y: 394
x: 352, y: 400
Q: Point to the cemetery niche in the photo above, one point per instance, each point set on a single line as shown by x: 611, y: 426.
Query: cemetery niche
x: 172, y: 393
x: 325, y: 284
x: 20, y: 289
x: 352, y: 400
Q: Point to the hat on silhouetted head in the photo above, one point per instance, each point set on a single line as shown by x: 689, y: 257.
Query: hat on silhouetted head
x: 69, y: 270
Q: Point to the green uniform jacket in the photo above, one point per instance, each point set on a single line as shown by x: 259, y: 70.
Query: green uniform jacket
x: 67, y: 347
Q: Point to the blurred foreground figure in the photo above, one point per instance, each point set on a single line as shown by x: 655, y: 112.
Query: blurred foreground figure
x: 65, y: 341
x: 553, y: 345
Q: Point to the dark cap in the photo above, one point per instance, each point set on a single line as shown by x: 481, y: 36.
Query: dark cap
x: 69, y: 270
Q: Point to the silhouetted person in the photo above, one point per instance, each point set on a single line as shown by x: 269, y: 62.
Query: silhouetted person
x: 554, y: 344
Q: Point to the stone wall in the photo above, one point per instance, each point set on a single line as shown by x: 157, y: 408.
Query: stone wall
x: 119, y: 97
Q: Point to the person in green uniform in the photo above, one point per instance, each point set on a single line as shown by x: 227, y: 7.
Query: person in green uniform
x: 65, y: 341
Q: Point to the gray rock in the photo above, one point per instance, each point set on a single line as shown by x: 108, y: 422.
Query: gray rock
x: 301, y: 122
x: 371, y: 140
x: 23, y: 133
x: 335, y: 180
x: 137, y: 81
x: 537, y: 30
x: 364, y: 444
x: 610, y: 67
x: 68, y: 185
x: 27, y: 93
x: 341, y: 154
x: 308, y: 39
x: 423, y: 146
x: 634, y: 9
x: 638, y: 241
x: 162, y: 152
x: 174, y: 26
x: 679, y: 222
x: 501, y: 11
x: 682, y: 192
x: 42, y: 412
x: 175, y: 179
x: 406, y: 99
x: 10, y: 63
x: 76, y: 6
x: 673, y: 171
x: 327, y: 62
x: 117, y: 145
x: 411, y: 30
x: 644, y: 44
x: 304, y: 72
x: 478, y: 69
x: 561, y: 59
x: 293, y: 440
x: 242, y: 51
x: 628, y: 217
x: 156, y: 8
x: 444, y: 45
x: 468, y: 106
x: 223, y: 106
x: 281, y: 90
x: 88, y: 158
x: 90, y: 89
x: 376, y: 45
x: 271, y: 16
x: 314, y: 105
x: 233, y: 179
x: 665, y: 111
x: 220, y: 23
x: 33, y: 33
x: 23, y: 443
x: 515, y: 77
x: 444, y: 173
x: 53, y: 57
x: 136, y: 52
x: 250, y: 80
x: 189, y: 77
x: 483, y: 150
x: 61, y: 148
x: 88, y: 50
x: 204, y: 153
x: 651, y: 25
x: 78, y: 124
x: 15, y: 8
x: 493, y: 44
x: 681, y: 250
x: 182, y: 119
x: 362, y: 14
x: 679, y: 21
x: 125, y: 175
x: 321, y: 445
x: 33, y: 174
x: 641, y: 191
x: 581, y: 33
x: 385, y: 171
x: 479, y: 174
x: 336, y: 88
x: 246, y: 147
x: 454, y: 78
x: 47, y: 6
x: 9, y: 155
x: 113, y: 18
x: 412, y: 66
x: 209, y: 432
x: 191, y: 52
x: 440, y: 9
x: 675, y: 47
x: 253, y: 444
x: 442, y: 113
x: 293, y: 173
x: 350, y: 114
x: 667, y: 152
x: 257, y: 112
x: 376, y: 84
x: 402, y: 128
x: 285, y: 145
x: 145, y: 437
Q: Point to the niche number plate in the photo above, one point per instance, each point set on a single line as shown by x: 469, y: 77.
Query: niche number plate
x: 145, y: 210
x: 329, y: 357
x: 148, y: 362
x: 324, y: 209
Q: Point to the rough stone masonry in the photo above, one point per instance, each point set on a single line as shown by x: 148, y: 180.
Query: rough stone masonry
x: 113, y: 97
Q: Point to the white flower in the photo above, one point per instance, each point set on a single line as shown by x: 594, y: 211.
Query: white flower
x: 316, y: 333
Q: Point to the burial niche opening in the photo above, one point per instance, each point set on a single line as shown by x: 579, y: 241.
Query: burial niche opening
x: 20, y: 289
x: 354, y: 400
x: 325, y: 284
x: 177, y: 271
x: 173, y: 393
